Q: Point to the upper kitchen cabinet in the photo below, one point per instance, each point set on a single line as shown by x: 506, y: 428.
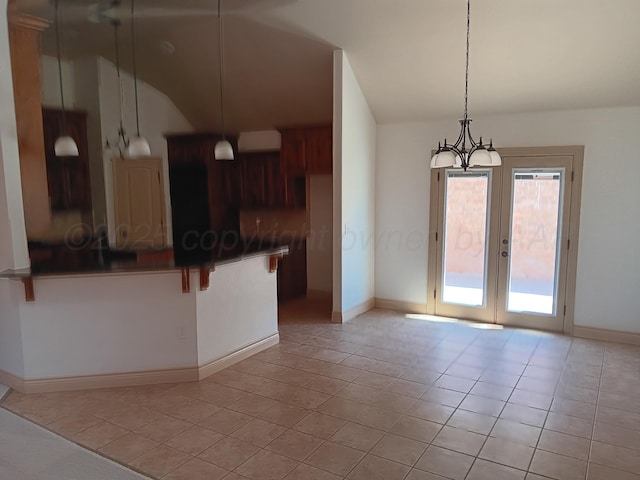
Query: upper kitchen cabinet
x: 293, y: 152
x: 307, y: 151
x: 67, y: 177
x: 262, y: 183
x: 192, y: 148
x: 202, y: 187
x: 319, y: 150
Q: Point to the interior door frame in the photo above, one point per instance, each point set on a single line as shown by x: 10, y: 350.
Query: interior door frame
x: 575, y: 176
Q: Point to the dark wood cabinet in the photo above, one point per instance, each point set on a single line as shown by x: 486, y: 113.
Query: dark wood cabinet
x: 254, y: 180
x: 262, y: 184
x: 319, y: 150
x: 292, y: 272
x: 307, y: 151
x: 293, y: 151
x: 192, y: 148
x: 68, y: 178
x: 191, y: 157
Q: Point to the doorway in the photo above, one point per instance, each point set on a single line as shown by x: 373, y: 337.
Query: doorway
x: 505, y: 239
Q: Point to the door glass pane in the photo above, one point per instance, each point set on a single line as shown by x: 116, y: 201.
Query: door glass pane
x: 465, y: 237
x: 533, y: 253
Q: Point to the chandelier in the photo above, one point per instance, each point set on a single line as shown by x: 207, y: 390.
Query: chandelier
x: 466, y: 152
x: 119, y: 144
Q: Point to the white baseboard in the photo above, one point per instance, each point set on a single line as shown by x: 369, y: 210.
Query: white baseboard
x: 177, y: 375
x: 216, y: 365
x: 62, y: 384
x: 343, y: 317
x: 605, y: 335
x: 10, y: 380
x: 400, y: 306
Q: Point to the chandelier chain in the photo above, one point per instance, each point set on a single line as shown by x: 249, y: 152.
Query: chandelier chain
x: 452, y: 155
x: 466, y: 76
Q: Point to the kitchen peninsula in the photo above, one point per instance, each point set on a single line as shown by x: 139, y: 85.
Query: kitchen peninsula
x: 124, y: 323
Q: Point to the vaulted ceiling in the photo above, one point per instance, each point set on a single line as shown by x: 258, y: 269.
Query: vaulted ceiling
x: 408, y: 55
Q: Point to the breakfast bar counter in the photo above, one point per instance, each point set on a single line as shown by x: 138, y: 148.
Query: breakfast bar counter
x: 120, y: 322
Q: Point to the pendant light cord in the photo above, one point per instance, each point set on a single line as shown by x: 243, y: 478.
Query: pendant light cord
x: 59, y: 49
x: 221, y: 59
x: 116, y: 25
x: 135, y: 69
x: 466, y: 77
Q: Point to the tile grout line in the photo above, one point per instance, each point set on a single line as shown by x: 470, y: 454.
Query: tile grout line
x: 595, y: 414
x: 498, y: 417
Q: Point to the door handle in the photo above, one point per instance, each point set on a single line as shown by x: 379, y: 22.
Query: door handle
x: 505, y: 254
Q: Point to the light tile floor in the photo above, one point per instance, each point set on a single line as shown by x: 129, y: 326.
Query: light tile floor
x: 28, y: 452
x: 383, y: 397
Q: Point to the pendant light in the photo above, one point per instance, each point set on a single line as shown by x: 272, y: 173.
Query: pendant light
x: 466, y: 152
x: 65, y: 146
x: 223, y: 149
x: 138, y: 146
x: 121, y: 143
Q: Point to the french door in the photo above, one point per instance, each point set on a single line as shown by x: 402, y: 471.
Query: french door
x: 501, y: 239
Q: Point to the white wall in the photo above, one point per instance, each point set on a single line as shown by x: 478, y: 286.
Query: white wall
x: 402, y: 212
x: 111, y: 324
x: 11, y: 355
x: 158, y: 115
x: 356, y: 164
x: 51, y: 82
x: 239, y: 309
x: 608, y: 255
x: 13, y: 237
x: 320, y: 243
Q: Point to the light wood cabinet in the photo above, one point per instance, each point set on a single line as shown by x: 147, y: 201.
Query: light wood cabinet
x: 24, y: 42
x: 139, y: 203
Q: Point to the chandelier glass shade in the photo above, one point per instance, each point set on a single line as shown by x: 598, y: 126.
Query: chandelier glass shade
x: 65, y: 145
x: 223, y: 150
x: 466, y: 152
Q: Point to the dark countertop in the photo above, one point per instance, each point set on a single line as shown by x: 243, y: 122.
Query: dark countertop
x: 119, y: 264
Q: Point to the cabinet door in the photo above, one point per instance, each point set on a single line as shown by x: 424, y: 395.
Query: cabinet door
x: 139, y: 203
x: 319, y: 150
x: 79, y: 193
x: 275, y: 186
x: 231, y: 173
x: 253, y: 179
x: 293, y: 150
x: 68, y: 178
x: 296, y: 192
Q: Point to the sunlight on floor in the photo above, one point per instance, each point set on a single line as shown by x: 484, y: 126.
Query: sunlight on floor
x: 433, y: 318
